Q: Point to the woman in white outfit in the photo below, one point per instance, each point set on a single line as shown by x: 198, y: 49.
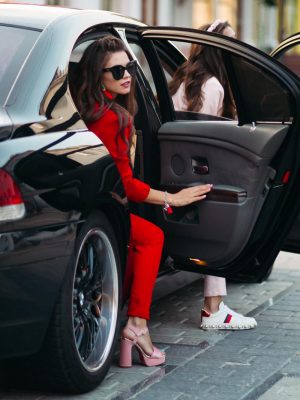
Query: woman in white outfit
x: 201, y: 85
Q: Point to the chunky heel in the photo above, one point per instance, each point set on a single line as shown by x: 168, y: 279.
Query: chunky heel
x: 157, y: 357
x: 126, y: 353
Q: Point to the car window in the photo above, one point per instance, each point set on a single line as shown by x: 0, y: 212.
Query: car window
x: 206, y: 105
x: 13, y: 52
x: 261, y: 96
x: 256, y: 95
x: 79, y: 50
x: 138, y: 52
x: 147, y: 76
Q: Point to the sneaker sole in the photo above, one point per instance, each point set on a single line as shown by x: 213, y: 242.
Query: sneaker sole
x: 226, y: 327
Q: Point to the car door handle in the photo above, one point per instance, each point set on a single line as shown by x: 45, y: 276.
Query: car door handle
x: 200, y: 165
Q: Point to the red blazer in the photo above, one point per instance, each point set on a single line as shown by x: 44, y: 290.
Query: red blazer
x: 106, y: 128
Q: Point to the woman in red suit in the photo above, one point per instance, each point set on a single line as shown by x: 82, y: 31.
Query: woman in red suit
x: 103, y: 93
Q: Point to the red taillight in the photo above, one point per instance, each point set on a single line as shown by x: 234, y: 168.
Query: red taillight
x: 11, y: 201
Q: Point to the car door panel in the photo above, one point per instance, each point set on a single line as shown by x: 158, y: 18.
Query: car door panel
x: 292, y: 242
x: 287, y: 52
x: 238, y: 229
x: 263, y: 140
x: 217, y: 229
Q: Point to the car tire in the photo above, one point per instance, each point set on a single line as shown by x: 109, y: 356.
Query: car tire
x: 82, y: 335
x: 84, y: 328
x: 267, y: 274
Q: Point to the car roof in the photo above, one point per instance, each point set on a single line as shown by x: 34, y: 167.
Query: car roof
x: 39, y: 16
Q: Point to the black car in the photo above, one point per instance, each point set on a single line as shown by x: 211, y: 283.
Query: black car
x: 62, y: 234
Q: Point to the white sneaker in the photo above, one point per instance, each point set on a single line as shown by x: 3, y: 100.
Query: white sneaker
x: 226, y: 318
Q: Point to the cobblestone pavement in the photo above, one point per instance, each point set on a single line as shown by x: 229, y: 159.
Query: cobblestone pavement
x: 262, y: 364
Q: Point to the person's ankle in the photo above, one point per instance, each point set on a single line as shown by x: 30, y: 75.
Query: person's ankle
x: 211, y: 304
x: 136, y: 329
x: 137, y: 322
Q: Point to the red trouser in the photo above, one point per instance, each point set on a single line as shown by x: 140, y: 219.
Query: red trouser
x: 143, y: 260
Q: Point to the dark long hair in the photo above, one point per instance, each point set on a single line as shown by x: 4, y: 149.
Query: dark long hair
x: 203, y: 63
x: 85, y: 84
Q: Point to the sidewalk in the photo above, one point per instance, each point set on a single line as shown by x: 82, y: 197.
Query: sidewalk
x: 263, y: 363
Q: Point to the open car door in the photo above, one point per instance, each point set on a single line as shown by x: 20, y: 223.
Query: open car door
x: 288, y: 53
x: 252, y: 161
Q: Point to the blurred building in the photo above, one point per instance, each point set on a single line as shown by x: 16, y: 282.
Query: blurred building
x: 262, y: 23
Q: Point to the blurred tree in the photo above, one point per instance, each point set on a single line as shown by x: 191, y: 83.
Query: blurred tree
x: 270, y: 3
x: 280, y: 5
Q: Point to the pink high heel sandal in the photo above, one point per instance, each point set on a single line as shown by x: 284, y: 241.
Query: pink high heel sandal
x: 156, y: 358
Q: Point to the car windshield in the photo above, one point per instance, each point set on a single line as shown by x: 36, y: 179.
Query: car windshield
x: 15, y: 45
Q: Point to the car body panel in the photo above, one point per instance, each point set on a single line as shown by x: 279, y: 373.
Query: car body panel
x: 39, y: 17
x: 5, y: 124
x: 60, y: 177
x: 30, y: 284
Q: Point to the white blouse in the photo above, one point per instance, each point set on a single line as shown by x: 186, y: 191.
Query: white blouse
x: 213, y: 96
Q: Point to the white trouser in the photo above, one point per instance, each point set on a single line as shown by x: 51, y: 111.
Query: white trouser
x: 214, y: 286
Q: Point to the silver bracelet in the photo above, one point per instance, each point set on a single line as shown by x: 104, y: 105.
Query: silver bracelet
x: 166, y: 206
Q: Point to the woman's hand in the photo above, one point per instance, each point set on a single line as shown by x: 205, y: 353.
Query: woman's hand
x: 189, y: 195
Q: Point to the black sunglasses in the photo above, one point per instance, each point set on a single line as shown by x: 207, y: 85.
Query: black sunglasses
x: 118, y: 71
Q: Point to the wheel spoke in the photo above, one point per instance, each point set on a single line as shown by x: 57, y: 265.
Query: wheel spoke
x: 90, y: 257
x: 82, y: 271
x: 91, y: 328
x: 78, y: 331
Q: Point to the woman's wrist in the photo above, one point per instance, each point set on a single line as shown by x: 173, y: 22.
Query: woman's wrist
x: 171, y: 199
x: 167, y: 203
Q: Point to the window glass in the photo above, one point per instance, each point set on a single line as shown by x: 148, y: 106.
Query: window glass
x: 149, y: 83
x: 199, y: 91
x: 138, y: 52
x: 236, y: 85
x: 15, y: 45
x: 262, y: 96
x: 79, y: 50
